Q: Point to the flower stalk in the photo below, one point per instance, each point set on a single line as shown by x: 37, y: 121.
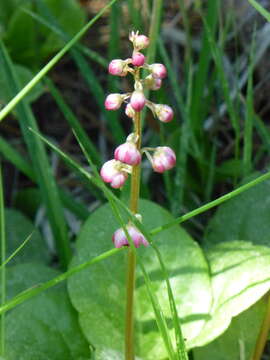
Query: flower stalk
x: 134, y: 199
x: 128, y: 156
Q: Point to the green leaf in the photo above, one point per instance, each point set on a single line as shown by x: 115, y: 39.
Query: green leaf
x: 105, y: 304
x: 240, y: 277
x: 46, y: 326
x: 41, y: 43
x: 238, y: 342
x: 246, y: 218
x: 18, y: 227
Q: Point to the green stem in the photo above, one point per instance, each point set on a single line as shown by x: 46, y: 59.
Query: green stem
x: 263, y: 336
x: 134, y: 198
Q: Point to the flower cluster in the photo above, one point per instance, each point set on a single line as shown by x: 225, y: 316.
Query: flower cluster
x: 128, y: 155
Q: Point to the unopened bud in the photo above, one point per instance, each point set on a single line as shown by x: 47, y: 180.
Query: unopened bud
x: 120, y: 239
x: 164, y: 112
x: 118, y: 67
x: 138, y: 59
x: 163, y: 159
x: 113, y: 101
x: 139, y: 41
x: 128, y: 154
x: 153, y: 83
x: 111, y: 173
x: 137, y: 100
x: 158, y: 71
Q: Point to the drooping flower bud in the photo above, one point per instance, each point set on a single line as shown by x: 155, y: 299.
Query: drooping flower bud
x: 113, y: 101
x: 129, y: 111
x: 152, y: 83
x: 118, y: 67
x: 164, y: 112
x: 139, y: 41
x: 158, y: 71
x: 137, y: 100
x: 111, y: 172
x: 163, y: 159
x: 128, y: 154
x: 120, y: 239
x: 138, y: 59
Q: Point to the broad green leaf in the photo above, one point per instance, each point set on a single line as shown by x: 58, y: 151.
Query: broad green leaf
x: 246, y: 217
x: 41, y: 42
x: 46, y: 326
x: 98, y: 294
x: 240, y: 277
x: 239, y: 340
x: 18, y: 228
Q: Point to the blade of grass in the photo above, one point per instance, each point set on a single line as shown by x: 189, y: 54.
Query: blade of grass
x: 19, y: 248
x: 78, y: 208
x: 16, y: 159
x: 197, y: 108
x: 73, y: 122
x: 40, y: 163
x: 21, y: 94
x: 247, y: 152
x: 154, y: 30
x: 3, y: 268
x: 180, y: 342
x: 217, y: 56
x: 260, y: 9
x: 28, y: 294
x: 135, y: 14
x: 188, y: 53
x: 212, y: 204
x: 211, y: 174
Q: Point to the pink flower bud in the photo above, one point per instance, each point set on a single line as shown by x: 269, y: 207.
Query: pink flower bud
x: 137, y: 100
x: 128, y: 154
x: 111, y: 173
x: 153, y: 83
x: 163, y: 159
x: 140, y: 42
x: 158, y: 71
x: 120, y: 239
x: 129, y: 111
x: 118, y: 67
x: 164, y: 112
x: 118, y: 180
x: 113, y: 101
x: 138, y: 59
